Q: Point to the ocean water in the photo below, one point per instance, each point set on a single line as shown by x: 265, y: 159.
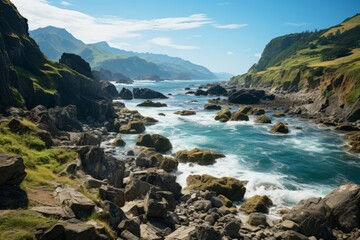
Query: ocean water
x: 288, y: 168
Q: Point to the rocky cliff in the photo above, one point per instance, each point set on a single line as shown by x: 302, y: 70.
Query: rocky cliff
x: 324, y: 64
x: 28, y: 78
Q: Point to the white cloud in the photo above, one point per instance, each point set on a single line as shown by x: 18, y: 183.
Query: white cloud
x: 167, y: 42
x: 295, y: 24
x: 230, y: 53
x: 230, y: 26
x: 65, y: 3
x: 258, y: 55
x: 223, y: 3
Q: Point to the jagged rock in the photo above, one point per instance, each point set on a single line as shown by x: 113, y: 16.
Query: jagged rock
x: 223, y: 115
x: 109, y: 89
x: 155, y: 205
x: 245, y: 110
x: 238, y: 116
x: 150, y: 232
x: 354, y: 141
x: 127, y: 235
x: 245, y: 96
x: 112, y: 194
x: 263, y: 119
x: 89, y: 139
x: 212, y: 107
x: 56, y: 232
x: 113, y: 214
x: 232, y: 229
x: 12, y: 170
x: 79, y: 204
x: 136, y: 189
x: 66, y: 118
x: 169, y: 164
x: 257, y: 111
x: 216, y: 90
x: 102, y: 166
x: 118, y: 142
x: 278, y: 114
x: 91, y: 182
x: 149, y: 103
x: 257, y: 219
x: 133, y: 127
x: 226, y: 202
x: 76, y: 63
x: 182, y: 233
x: 134, y: 208
x: 347, y: 128
x: 170, y: 198
x: 45, y: 136
x: 146, y: 93
x: 16, y: 126
x: 185, y: 113
x: 279, y: 128
x: 125, y: 94
x: 129, y: 225
x: 80, y: 231
x: 196, y: 155
x: 229, y: 187
x: 257, y: 203
x: 55, y: 212
x: 156, y: 141
x: 200, y: 92
x: 289, y: 225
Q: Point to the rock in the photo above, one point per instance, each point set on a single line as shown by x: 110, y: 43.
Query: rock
x: 216, y: 202
x: 279, y: 127
x: 109, y: 89
x: 204, y: 232
x: 56, y: 232
x: 223, y: 115
x: 216, y: 90
x: 229, y: 187
x: 238, y: 116
x: 128, y: 235
x: 257, y: 219
x: 200, y: 92
x: 76, y: 63
x: 182, y: 233
x: 278, y: 114
x: 13, y: 197
x: 226, y: 202
x: 90, y: 139
x: 232, y: 229
x: 185, y: 113
x: 45, y: 136
x: 18, y: 127
x: 169, y: 164
x: 118, y: 142
x: 149, y: 103
x: 289, y: 225
x: 102, y: 166
x: 12, y: 170
x: 55, y: 212
x: 169, y: 197
x: 112, y: 194
x: 212, y: 107
x: 80, y: 231
x: 91, y: 182
x: 257, y: 203
x: 146, y: 93
x: 245, y: 96
x: 354, y: 141
x: 202, y: 205
x: 66, y: 118
x: 79, y: 204
x: 155, y: 205
x: 196, y: 155
x: 136, y: 189
x: 129, y: 225
x: 257, y: 111
x: 133, y: 127
x: 263, y: 119
x: 156, y: 141
x: 113, y: 214
x: 292, y: 235
x: 125, y: 94
x: 150, y: 232
x: 245, y: 109
x: 149, y: 120
x: 346, y: 128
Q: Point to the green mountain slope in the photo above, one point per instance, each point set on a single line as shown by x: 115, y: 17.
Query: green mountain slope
x: 54, y: 41
x: 325, y: 62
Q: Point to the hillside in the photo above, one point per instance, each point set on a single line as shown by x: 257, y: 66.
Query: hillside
x: 28, y: 79
x: 326, y: 63
x: 54, y: 41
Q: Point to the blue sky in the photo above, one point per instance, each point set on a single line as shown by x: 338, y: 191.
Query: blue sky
x: 223, y: 35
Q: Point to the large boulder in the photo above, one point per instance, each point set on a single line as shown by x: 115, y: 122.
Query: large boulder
x: 66, y: 118
x: 200, y: 92
x: 185, y: 112
x: 238, y: 116
x: 159, y: 142
x: 109, y: 89
x: 112, y: 194
x: 263, y: 119
x: 216, y: 90
x: 146, y: 93
x: 196, y: 155
x: 136, y: 189
x: 231, y: 188
x: 102, y: 166
x: 279, y: 127
x: 149, y: 103
x: 155, y: 205
x: 18, y: 127
x: 126, y: 94
x: 223, y: 115
x: 211, y: 106
x: 246, y: 96
x: 257, y: 219
x: 133, y: 127
x: 89, y: 139
x: 257, y: 203
x: 12, y: 170
x: 76, y: 63
x: 169, y: 164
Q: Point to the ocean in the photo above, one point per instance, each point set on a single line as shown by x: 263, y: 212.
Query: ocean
x: 308, y: 162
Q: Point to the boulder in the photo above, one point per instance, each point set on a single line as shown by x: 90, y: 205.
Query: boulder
x: 263, y: 119
x: 245, y: 96
x: 55, y: 212
x: 66, y: 118
x: 205, y: 232
x: 278, y: 114
x: 129, y: 225
x: 109, y: 89
x: 257, y: 219
x: 216, y: 90
x: 185, y: 113
x: 18, y: 127
x: 136, y: 189
x: 146, y: 93
x: 12, y: 170
x: 196, y: 155
x: 125, y: 94
x: 238, y: 116
x: 113, y: 214
x: 223, y: 115
x: 89, y: 139
x: 257, y: 111
x: 292, y: 235
x: 80, y: 231
x: 182, y: 233
x: 347, y: 128
x: 155, y: 205
x: 76, y: 63
x: 232, y: 229
x: 169, y: 164
x: 112, y: 194
x: 289, y: 225
x: 45, y: 136
x: 149, y: 103
x: 156, y: 141
x: 212, y: 107
x: 279, y: 128
x: 13, y: 197
x: 231, y: 188
x: 102, y: 166
x: 257, y: 203
x: 133, y: 127
x: 354, y: 141
x: 76, y: 201
x: 200, y: 92
x: 56, y: 232
x: 118, y: 142
x: 245, y: 110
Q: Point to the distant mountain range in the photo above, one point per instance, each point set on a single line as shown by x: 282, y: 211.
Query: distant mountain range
x: 55, y: 41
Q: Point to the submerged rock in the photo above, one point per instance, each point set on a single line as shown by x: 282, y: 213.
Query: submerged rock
x: 185, y: 113
x: 149, y: 103
x: 212, y: 107
x: 278, y: 114
x: 146, y: 93
x: 196, y: 155
x: 216, y: 90
x: 223, y: 115
x: 279, y: 128
x: 238, y: 116
x: 263, y: 119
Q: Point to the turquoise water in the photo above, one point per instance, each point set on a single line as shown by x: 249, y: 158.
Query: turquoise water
x: 305, y: 163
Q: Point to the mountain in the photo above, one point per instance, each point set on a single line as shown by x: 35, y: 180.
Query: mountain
x: 54, y: 41
x: 325, y: 62
x: 28, y: 78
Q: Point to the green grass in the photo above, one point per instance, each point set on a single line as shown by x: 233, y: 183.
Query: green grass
x: 22, y: 224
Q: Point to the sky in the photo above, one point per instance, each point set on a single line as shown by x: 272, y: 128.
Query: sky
x: 222, y: 35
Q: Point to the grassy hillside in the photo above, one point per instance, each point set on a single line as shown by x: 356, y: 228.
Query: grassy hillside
x: 311, y: 61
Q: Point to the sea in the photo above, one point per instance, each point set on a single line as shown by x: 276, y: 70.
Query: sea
x: 305, y: 163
